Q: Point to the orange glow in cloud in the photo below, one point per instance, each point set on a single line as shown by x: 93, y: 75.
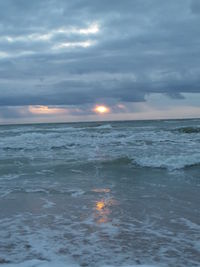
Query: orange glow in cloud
x: 121, y: 106
x: 45, y: 110
x: 101, y: 109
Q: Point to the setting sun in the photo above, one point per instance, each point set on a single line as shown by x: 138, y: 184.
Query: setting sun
x: 101, y: 109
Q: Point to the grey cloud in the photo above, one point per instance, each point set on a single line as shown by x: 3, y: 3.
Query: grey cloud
x: 195, y: 6
x: 12, y: 112
x: 156, y: 43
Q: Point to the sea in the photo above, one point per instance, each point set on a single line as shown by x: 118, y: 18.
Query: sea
x: 100, y: 194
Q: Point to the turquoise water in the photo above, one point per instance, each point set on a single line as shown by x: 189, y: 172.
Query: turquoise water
x: 100, y: 194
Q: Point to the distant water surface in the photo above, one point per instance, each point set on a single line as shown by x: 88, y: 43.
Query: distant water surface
x: 100, y: 194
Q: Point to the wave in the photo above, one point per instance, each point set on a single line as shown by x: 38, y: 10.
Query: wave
x: 58, y: 147
x: 46, y: 191
x: 125, y: 160
x: 105, y: 126
x: 162, y: 162
x: 7, y: 148
x: 93, y: 128
x: 171, y: 163
x: 67, y: 146
x: 188, y: 130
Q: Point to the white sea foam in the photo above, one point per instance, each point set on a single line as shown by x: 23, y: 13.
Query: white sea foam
x: 174, y: 162
x: 76, y: 193
x: 48, y: 204
x: 9, y: 176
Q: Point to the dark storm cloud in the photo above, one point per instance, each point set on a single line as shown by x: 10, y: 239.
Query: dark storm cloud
x: 142, y: 47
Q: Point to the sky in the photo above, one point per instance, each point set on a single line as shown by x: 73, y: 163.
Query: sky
x: 62, y: 59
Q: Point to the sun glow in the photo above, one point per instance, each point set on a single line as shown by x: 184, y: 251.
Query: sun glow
x: 45, y: 110
x: 101, y: 109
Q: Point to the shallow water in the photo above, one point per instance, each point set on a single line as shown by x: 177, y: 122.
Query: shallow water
x: 100, y: 194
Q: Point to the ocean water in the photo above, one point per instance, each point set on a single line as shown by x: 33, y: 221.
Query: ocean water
x: 102, y: 194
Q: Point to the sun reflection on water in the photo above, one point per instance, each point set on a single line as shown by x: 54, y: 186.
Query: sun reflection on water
x: 103, y: 207
x: 100, y: 205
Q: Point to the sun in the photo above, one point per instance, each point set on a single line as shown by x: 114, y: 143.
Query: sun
x: 101, y: 109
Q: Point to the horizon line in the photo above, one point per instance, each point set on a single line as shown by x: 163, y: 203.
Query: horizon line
x: 100, y: 121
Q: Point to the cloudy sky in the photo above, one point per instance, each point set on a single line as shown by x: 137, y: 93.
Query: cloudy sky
x: 61, y: 59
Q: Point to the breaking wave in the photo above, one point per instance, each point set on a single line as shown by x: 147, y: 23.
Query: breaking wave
x: 188, y: 130
x: 170, y: 163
